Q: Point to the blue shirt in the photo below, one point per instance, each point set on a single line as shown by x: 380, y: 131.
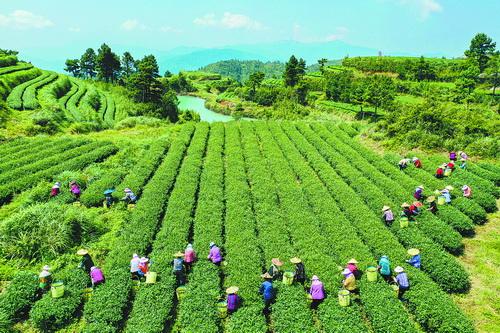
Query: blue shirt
x: 415, y: 261
x: 266, y: 289
x: 447, y: 197
x: 402, y: 280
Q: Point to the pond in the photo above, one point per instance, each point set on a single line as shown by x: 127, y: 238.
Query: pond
x: 198, y: 105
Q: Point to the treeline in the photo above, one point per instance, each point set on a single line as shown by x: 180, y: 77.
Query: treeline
x: 240, y: 70
x: 408, y: 68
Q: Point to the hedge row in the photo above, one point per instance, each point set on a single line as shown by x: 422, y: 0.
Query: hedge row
x: 35, y: 155
x: 50, y: 314
x: 72, y: 105
x: 244, y: 258
x: 30, y: 100
x: 26, y: 146
x: 290, y: 312
x: 15, y: 99
x: 441, y: 266
x: 445, y: 314
x: 63, y: 100
x: 484, y: 173
x: 8, y: 60
x: 11, y: 80
x: 311, y: 245
x: 87, y: 154
x: 411, y: 177
x: 17, y: 299
x: 18, y: 67
x: 398, y: 192
x: 385, y: 312
x: 173, y: 236
x: 136, y: 237
x: 203, y: 292
x: 109, y: 115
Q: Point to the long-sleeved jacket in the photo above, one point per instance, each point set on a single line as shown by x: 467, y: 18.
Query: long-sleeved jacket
x: 178, y: 265
x: 385, y: 266
x: 96, y: 275
x: 447, y: 197
x: 317, y: 290
x: 189, y: 256
x: 267, y: 290
x: 134, y: 265
x: 215, y: 255
x: 233, y: 301
x: 86, y: 263
x: 350, y: 282
x: 467, y: 192
x: 274, y: 272
x: 300, y: 272
x: 402, y: 280
x: 388, y: 216
x: 415, y: 261
x: 418, y: 194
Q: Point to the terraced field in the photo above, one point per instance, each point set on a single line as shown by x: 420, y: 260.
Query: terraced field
x: 260, y: 190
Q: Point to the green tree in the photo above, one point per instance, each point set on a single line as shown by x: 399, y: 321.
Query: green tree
x: 322, y: 62
x: 338, y: 85
x: 144, y: 84
x: 424, y: 71
x: 381, y: 91
x: 301, y: 91
x: 88, y: 64
x: 107, y: 64
x: 128, y: 64
x: 255, y: 80
x: 294, y: 70
x: 481, y: 48
x: 493, y: 72
x: 73, y: 67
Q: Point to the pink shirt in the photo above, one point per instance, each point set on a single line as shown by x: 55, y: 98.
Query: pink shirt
x: 215, y: 255
x: 96, y: 275
x: 317, y: 291
x: 467, y: 192
x: 189, y: 256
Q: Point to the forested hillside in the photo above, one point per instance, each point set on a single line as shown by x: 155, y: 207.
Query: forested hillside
x: 240, y: 70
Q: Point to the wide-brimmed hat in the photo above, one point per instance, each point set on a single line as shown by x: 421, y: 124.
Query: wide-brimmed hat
x: 46, y: 268
x: 232, y: 290
x: 385, y: 208
x: 178, y: 254
x: 108, y: 191
x: 449, y: 187
x: 414, y: 159
x: 44, y: 273
x: 405, y: 204
x: 93, y: 267
x: 443, y: 165
x: 295, y: 260
x: 346, y: 271
x: 82, y: 252
x: 57, y: 185
x: 420, y: 186
x: 144, y: 259
x: 277, y: 262
x: 464, y: 187
x: 72, y: 182
x: 211, y: 244
x: 315, y: 278
x: 127, y: 190
x: 135, y: 255
x: 352, y: 261
x: 266, y: 275
x: 417, y: 204
x: 413, y: 252
x: 399, y: 269
x: 431, y: 199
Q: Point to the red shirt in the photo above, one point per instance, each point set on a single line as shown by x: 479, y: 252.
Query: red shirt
x: 418, y: 164
x: 439, y: 171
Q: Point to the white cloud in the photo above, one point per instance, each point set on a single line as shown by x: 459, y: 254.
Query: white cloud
x: 170, y: 29
x: 229, y: 21
x: 425, y: 7
x: 132, y: 24
x: 22, y: 19
x: 340, y: 33
x: 74, y: 29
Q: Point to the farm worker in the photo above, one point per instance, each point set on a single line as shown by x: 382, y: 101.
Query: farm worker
x: 440, y: 172
x: 451, y: 165
x: 447, y: 196
x: 143, y: 266
x: 415, y: 208
x: 467, y: 191
x: 189, y: 257
x: 351, y: 266
x: 267, y: 291
x: 56, y: 189
x: 317, y: 292
x: 349, y: 281
x: 463, y: 156
x: 134, y: 266
x: 416, y: 162
x: 453, y: 156
x: 384, y: 266
x: 75, y: 189
x: 87, y: 263
x: 387, y: 215
x: 233, y: 300
x: 214, y: 255
x: 108, y: 197
x: 406, y: 211
x: 403, y: 163
x: 300, y: 271
x: 432, y: 204
x: 178, y: 269
x: 45, y: 279
x: 402, y: 281
x: 274, y: 270
x: 96, y: 276
x: 463, y: 165
x: 130, y: 197
x: 415, y: 258
x: 419, y: 192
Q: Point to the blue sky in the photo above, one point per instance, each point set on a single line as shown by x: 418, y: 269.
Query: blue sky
x: 414, y: 26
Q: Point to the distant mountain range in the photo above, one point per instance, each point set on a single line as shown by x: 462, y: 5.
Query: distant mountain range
x: 192, y: 58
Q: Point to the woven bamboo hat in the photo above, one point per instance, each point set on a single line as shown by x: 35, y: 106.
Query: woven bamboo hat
x: 404, y: 205
x: 352, y: 261
x: 232, y: 290
x: 399, y: 269
x: 413, y: 252
x: 295, y: 260
x: 449, y: 187
x: 266, y: 276
x: 385, y: 208
x: 82, y: 252
x: 431, y: 199
x: 277, y: 262
x: 178, y: 254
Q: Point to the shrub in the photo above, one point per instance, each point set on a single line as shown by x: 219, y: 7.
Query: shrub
x: 18, y: 297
